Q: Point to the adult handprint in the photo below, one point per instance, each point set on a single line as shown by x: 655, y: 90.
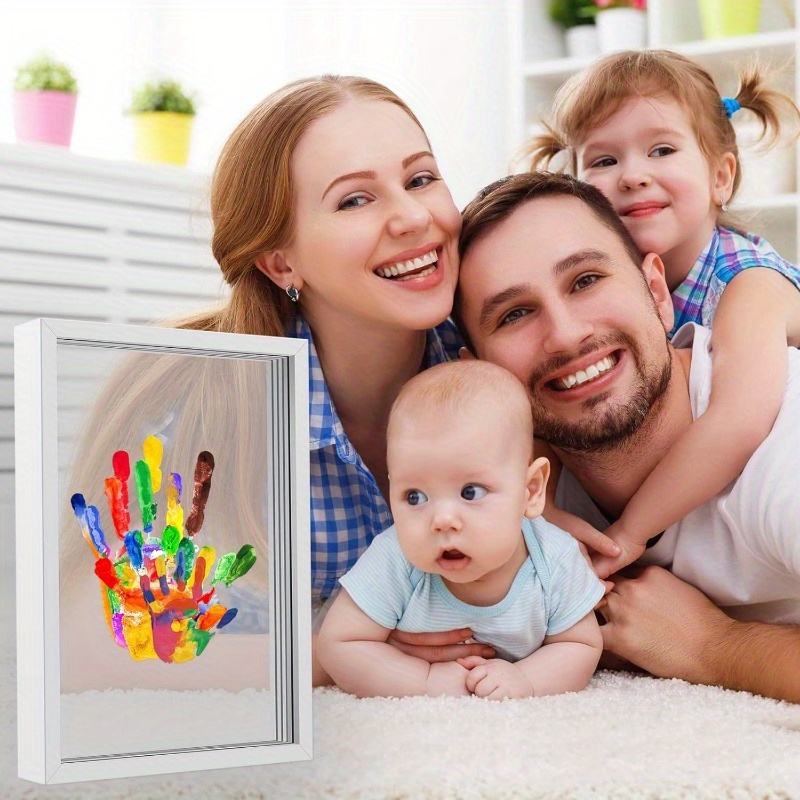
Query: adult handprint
x: 154, y: 600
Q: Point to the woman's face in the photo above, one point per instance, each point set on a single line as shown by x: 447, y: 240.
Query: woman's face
x: 376, y: 230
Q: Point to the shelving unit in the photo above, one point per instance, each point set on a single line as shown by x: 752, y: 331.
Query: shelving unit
x: 539, y: 67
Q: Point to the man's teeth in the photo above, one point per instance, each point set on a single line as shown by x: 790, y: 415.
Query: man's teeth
x: 588, y: 374
x: 402, y: 267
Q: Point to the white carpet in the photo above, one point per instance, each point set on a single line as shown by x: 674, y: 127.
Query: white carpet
x: 623, y: 737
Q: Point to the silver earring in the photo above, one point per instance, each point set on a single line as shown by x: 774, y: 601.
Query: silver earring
x: 724, y: 208
x: 294, y: 294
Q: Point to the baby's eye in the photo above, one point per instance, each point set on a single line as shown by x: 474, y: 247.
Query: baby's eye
x: 420, y: 180
x: 415, y: 497
x: 603, y: 161
x: 513, y: 316
x: 473, y: 491
x: 355, y: 201
x: 662, y: 150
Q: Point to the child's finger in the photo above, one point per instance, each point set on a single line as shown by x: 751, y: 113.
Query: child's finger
x: 470, y: 662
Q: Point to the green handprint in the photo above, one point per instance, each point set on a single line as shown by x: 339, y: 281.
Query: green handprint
x: 153, y: 596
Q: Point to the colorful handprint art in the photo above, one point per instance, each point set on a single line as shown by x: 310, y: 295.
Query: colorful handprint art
x: 153, y: 595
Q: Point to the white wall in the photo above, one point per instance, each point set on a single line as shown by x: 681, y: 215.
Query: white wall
x: 446, y: 59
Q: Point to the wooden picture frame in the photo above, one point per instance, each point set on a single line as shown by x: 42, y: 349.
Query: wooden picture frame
x: 128, y: 671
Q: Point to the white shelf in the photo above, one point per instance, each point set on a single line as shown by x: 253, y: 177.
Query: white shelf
x: 538, y: 67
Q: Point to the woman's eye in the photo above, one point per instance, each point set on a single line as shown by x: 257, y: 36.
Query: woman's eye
x: 586, y: 280
x: 513, y: 316
x: 352, y: 202
x: 415, y: 497
x: 423, y: 179
x: 473, y: 491
x: 662, y: 150
x: 603, y: 161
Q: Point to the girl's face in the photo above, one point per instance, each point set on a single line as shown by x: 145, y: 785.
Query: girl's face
x: 646, y: 159
x: 376, y: 228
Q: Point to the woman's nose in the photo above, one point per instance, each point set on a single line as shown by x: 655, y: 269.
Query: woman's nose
x: 408, y: 215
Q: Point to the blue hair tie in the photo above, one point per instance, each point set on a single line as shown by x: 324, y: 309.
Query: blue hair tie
x: 731, y: 105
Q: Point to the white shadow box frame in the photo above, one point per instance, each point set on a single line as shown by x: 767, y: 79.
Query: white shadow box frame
x: 246, y: 698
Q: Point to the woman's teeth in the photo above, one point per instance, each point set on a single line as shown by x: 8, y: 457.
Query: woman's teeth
x: 583, y: 375
x: 402, y: 269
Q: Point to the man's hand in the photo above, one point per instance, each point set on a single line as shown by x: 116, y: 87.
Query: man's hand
x: 661, y: 624
x: 438, y: 647
x: 495, y: 679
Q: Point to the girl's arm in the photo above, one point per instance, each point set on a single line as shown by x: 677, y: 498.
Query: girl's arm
x: 354, y: 651
x: 564, y: 663
x: 757, y: 312
x: 575, y: 526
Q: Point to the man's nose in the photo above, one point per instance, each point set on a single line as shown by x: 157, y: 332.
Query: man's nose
x: 565, y: 328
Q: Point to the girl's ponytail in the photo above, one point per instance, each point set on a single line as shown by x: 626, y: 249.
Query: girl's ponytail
x: 542, y: 149
x: 769, y: 105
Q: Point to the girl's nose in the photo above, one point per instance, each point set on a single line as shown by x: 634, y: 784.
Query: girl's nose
x: 634, y: 175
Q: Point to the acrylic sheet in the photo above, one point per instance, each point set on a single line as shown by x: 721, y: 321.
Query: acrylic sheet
x: 169, y: 516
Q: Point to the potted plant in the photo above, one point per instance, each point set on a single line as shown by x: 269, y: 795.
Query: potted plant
x: 721, y: 18
x: 45, y: 95
x: 163, y: 116
x: 577, y: 19
x: 621, y: 24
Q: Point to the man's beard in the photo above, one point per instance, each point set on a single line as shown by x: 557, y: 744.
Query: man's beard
x: 614, y: 426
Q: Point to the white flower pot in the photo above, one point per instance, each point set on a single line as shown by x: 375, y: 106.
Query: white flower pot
x: 581, y: 41
x: 621, y: 29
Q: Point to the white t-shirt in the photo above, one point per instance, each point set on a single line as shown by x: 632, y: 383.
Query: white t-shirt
x: 742, y: 547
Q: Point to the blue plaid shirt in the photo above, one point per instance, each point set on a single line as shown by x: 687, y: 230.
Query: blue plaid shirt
x: 727, y: 254
x: 347, y: 507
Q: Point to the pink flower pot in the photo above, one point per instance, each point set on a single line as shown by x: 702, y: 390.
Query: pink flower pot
x: 44, y: 116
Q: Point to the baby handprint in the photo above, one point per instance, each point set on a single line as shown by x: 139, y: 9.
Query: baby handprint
x: 153, y: 595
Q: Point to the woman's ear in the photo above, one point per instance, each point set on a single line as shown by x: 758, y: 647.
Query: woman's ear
x: 655, y: 277
x: 535, y: 491
x: 274, y: 265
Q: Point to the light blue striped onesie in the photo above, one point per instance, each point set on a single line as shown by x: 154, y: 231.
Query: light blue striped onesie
x: 553, y: 590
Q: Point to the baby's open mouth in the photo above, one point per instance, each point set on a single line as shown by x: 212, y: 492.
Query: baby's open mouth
x: 452, y: 555
x: 418, y: 267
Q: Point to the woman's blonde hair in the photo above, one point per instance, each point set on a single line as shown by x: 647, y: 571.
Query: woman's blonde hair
x: 590, y: 97
x: 252, y: 197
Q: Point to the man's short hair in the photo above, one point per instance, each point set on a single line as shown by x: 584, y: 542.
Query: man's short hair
x: 497, y: 201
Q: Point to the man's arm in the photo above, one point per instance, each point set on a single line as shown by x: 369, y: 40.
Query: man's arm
x: 353, y: 650
x: 672, y: 630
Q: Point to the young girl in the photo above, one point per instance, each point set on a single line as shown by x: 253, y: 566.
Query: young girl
x: 650, y: 129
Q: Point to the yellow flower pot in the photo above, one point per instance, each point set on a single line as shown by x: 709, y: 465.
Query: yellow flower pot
x: 163, y: 137
x: 724, y: 18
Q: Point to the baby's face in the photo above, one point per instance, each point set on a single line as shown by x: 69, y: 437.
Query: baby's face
x: 458, y: 491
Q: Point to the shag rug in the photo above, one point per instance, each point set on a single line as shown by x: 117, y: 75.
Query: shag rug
x: 623, y: 737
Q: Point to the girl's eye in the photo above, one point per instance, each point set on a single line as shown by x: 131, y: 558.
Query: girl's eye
x: 355, y: 201
x: 421, y: 180
x: 585, y: 281
x: 603, y: 161
x: 662, y: 150
x: 473, y: 491
x: 513, y: 316
x: 415, y: 497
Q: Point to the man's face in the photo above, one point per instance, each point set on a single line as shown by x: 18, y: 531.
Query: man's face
x: 552, y: 295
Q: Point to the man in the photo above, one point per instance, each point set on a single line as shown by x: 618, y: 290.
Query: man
x: 550, y: 284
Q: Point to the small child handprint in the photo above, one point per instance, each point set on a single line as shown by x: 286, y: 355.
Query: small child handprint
x: 153, y: 596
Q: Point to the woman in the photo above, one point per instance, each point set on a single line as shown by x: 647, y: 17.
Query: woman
x: 332, y: 223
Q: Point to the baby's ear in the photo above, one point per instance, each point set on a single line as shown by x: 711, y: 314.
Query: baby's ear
x: 535, y: 492
x: 466, y: 355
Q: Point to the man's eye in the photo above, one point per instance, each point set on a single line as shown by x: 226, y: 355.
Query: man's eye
x: 662, y: 150
x: 355, y: 201
x: 585, y: 281
x: 603, y: 161
x: 420, y: 180
x: 415, y: 497
x: 513, y: 316
x: 473, y: 491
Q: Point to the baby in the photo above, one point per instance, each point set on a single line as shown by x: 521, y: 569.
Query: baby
x: 468, y: 549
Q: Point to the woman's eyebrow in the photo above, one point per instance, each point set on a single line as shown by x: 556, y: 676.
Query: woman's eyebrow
x: 370, y: 174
